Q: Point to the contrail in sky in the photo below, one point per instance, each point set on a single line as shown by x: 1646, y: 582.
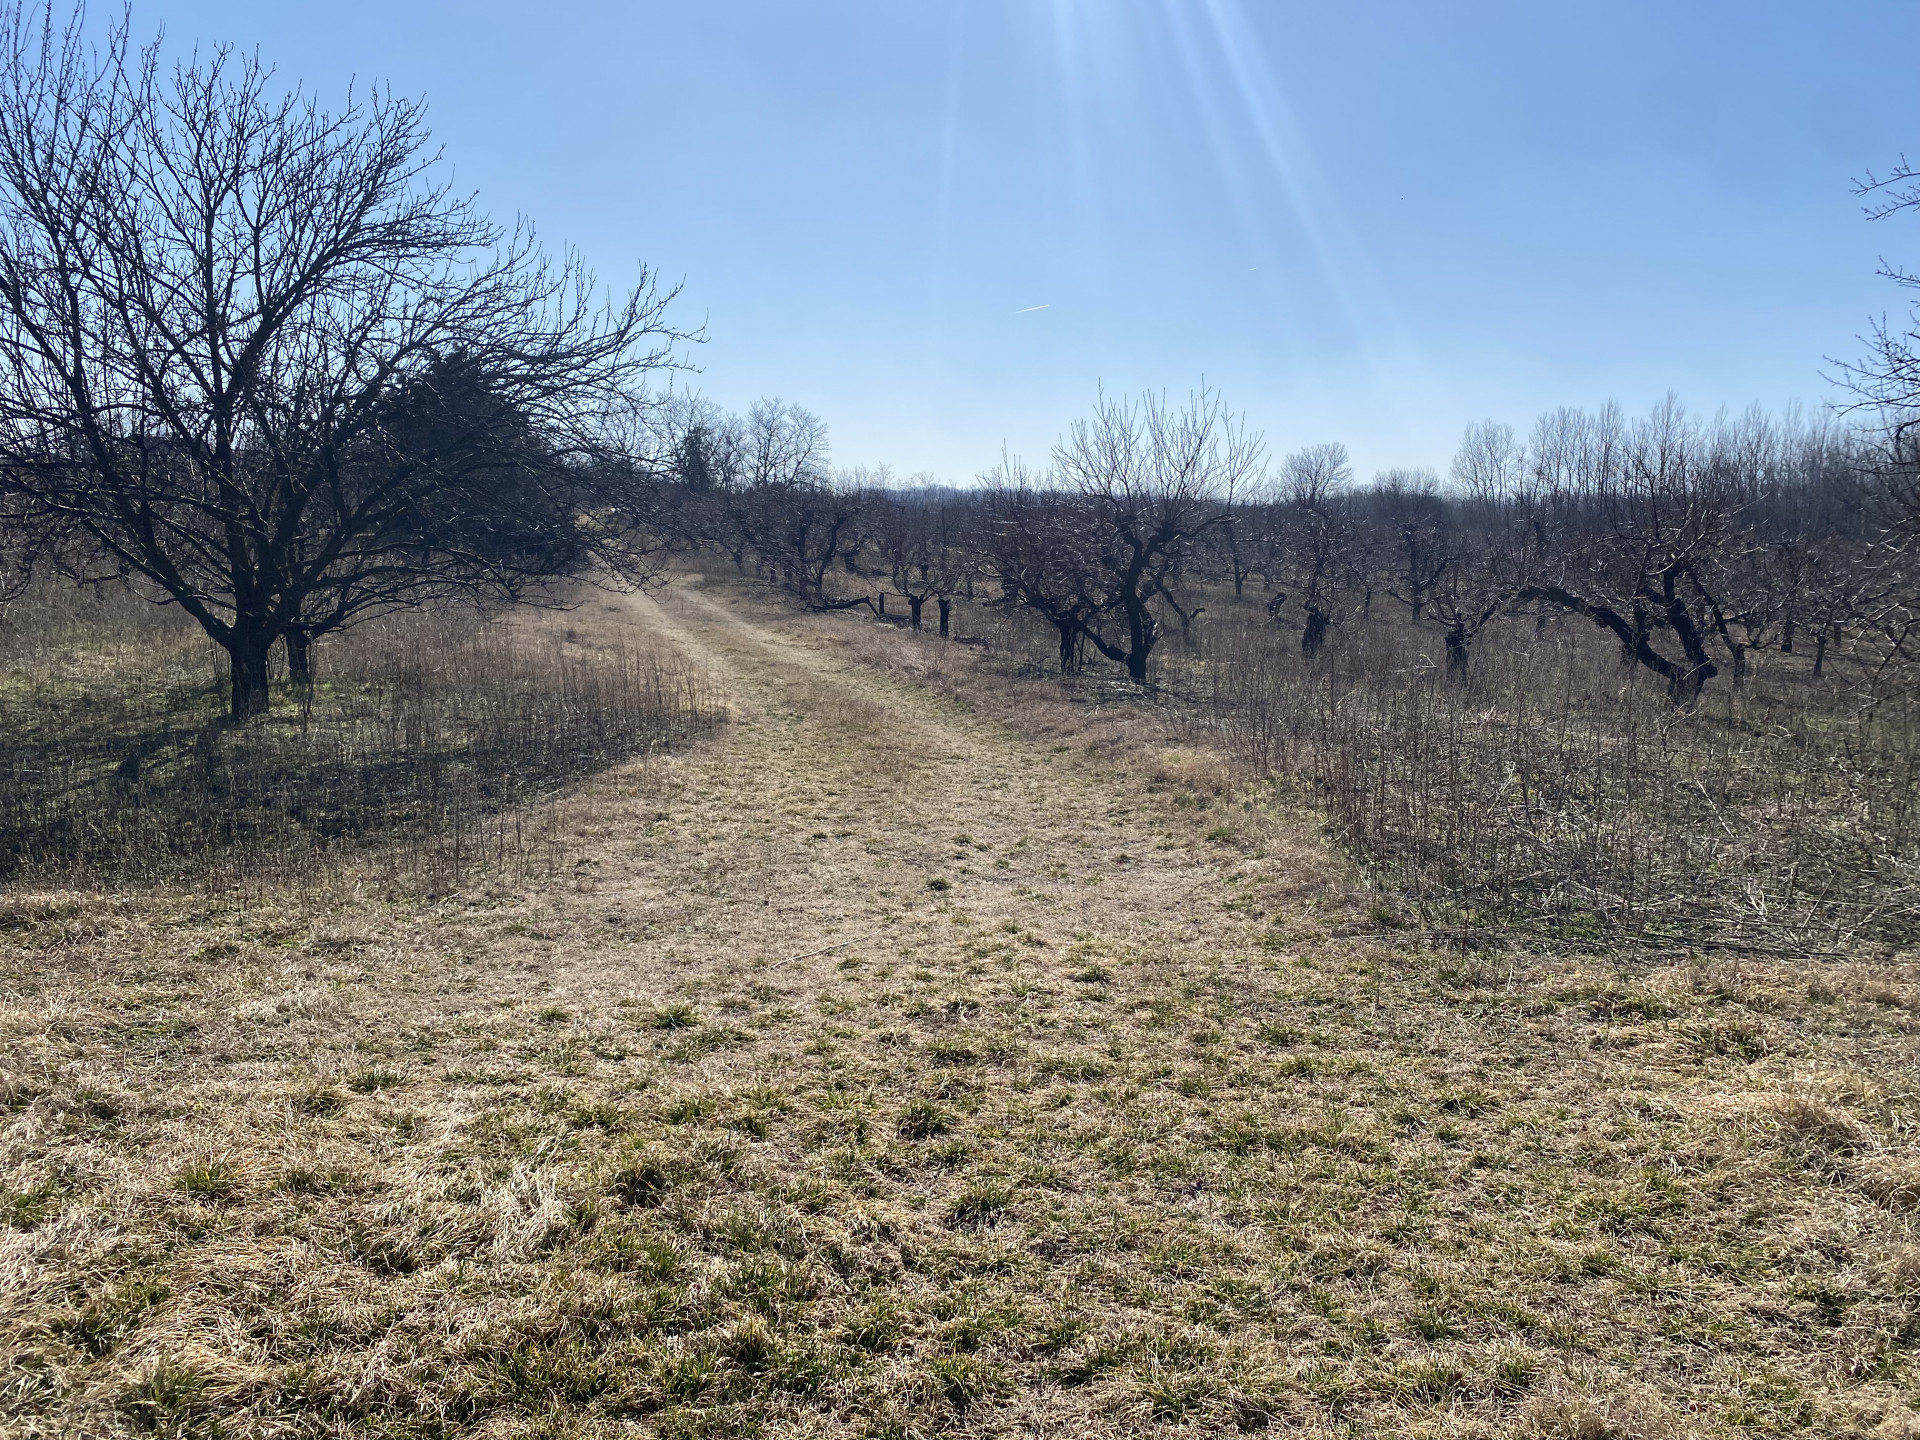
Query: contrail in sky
x: 1030, y: 309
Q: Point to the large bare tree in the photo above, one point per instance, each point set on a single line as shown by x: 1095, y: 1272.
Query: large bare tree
x: 921, y: 536
x: 1040, y: 545
x: 1642, y: 519
x: 260, y: 361
x: 1150, y: 477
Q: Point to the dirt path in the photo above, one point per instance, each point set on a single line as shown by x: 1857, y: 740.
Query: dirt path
x: 846, y: 814
x: 923, y: 1054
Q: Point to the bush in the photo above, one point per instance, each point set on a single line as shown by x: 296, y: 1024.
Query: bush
x: 1559, y: 786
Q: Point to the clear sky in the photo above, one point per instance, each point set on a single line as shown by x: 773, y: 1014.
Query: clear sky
x: 944, y: 224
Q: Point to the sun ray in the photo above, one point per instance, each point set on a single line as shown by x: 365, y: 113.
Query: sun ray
x: 1365, y: 303
x: 940, y: 248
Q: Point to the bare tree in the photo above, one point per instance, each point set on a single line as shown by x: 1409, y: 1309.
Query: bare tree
x: 1410, y: 525
x: 1887, y: 380
x: 1318, y: 536
x: 1039, y: 548
x: 1151, y: 478
x: 772, y: 513
x: 1641, y: 518
x: 1884, y: 601
x: 702, y: 450
x: 921, y: 536
x: 1495, y: 540
x: 20, y: 551
x: 784, y: 446
x: 801, y: 531
x: 801, y: 522
x: 258, y: 361
x: 1246, y: 518
x: 1040, y: 544
x: 707, y: 453
x: 1886, y: 386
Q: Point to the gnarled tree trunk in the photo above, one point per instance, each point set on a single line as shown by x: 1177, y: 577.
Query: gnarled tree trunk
x: 247, y: 674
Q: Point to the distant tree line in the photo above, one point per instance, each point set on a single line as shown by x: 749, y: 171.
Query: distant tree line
x: 260, y: 362
x: 1689, y: 544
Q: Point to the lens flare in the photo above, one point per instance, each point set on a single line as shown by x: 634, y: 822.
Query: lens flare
x: 1110, y: 54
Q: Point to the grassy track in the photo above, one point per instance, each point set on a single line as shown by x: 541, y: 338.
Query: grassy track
x: 923, y: 1055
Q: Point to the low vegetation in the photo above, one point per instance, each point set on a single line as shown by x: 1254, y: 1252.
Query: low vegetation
x: 1646, y: 682
x: 1148, y: 1121
x: 1414, y: 958
x: 437, y: 730
x: 1557, y: 789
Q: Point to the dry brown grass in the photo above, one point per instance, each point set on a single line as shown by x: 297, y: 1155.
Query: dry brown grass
x: 1560, y: 789
x: 931, y: 1053
x: 440, y: 730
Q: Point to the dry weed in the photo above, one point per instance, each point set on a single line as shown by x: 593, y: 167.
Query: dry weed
x: 1583, y: 1407
x: 1143, y: 1121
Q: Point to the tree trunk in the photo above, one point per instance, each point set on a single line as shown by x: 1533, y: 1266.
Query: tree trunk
x: 300, y: 659
x: 914, y: 602
x: 1314, y: 637
x: 1069, y: 644
x: 1819, y: 651
x: 946, y: 614
x: 1457, y: 654
x: 1141, y: 634
x: 916, y: 609
x: 1642, y: 631
x: 247, y: 673
x: 1698, y: 669
x: 1686, y: 682
x: 1685, y: 678
x: 1786, y: 636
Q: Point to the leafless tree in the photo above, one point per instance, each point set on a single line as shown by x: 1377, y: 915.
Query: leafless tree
x: 1496, y: 540
x: 784, y: 446
x: 801, y: 528
x: 19, y: 551
x: 702, y: 462
x: 1886, y: 387
x: 1885, y: 600
x: 1151, y: 478
x: 1039, y: 544
x: 923, y: 539
x: 783, y: 458
x: 1887, y: 380
x: 1317, y: 538
x: 1246, y: 520
x: 708, y: 449
x: 260, y: 361
x: 1641, y: 518
x: 1409, y: 526
x: 802, y: 531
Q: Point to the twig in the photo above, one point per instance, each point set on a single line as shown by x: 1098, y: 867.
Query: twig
x: 1660, y: 945
x: 825, y: 949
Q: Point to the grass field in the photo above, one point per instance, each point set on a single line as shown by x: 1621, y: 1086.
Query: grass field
x: 923, y: 1054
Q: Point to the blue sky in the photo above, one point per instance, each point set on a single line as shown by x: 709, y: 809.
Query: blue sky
x: 1372, y: 221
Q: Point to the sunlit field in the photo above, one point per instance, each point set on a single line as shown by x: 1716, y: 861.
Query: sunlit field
x: 853, y: 722
x: 935, y: 1050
